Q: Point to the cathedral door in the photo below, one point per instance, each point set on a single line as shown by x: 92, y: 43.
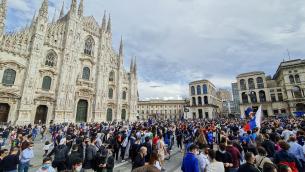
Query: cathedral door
x: 41, y: 114
x: 123, y: 115
x: 4, y: 111
x: 82, y: 110
x: 109, y: 115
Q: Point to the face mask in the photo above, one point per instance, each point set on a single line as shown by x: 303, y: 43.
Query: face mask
x: 222, y: 151
x: 45, y: 166
x: 78, y: 168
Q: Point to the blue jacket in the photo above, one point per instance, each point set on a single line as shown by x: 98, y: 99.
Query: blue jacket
x: 190, y: 163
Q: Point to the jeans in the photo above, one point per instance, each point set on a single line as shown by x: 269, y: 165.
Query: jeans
x: 23, y: 167
x: 11, y: 171
x: 233, y: 169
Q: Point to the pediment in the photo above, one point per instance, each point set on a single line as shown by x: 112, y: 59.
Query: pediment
x: 11, y: 62
x: 8, y: 94
x: 91, y: 24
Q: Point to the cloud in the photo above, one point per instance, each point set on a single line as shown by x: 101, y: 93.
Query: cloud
x: 177, y: 41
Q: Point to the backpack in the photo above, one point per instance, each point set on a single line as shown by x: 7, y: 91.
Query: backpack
x: 292, y: 165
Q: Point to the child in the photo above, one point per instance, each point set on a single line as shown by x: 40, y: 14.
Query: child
x: 46, y: 147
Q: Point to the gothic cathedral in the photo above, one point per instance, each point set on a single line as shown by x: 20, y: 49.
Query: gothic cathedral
x: 64, y: 71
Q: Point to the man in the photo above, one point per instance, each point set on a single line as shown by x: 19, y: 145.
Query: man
x: 235, y: 154
x: 90, y: 153
x: 269, y: 146
x: 140, y: 158
x: 10, y: 162
x: 148, y: 145
x: 296, y: 149
x: 73, y: 156
x: 26, y: 155
x: 190, y: 162
x: 46, y: 165
x: 249, y: 165
x: 203, y: 158
x: 60, y: 155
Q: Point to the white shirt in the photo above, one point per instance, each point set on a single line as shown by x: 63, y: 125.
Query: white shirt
x: 216, y: 166
x: 286, y: 134
x: 203, y: 161
x: 157, y: 165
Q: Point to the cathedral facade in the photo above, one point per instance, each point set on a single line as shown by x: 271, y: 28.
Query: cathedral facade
x: 64, y: 71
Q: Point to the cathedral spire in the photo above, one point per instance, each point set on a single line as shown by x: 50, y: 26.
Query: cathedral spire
x: 135, y: 65
x: 43, y: 11
x: 33, y: 19
x: 3, y: 10
x: 73, y: 6
x: 81, y: 8
x: 62, y: 12
x: 131, y: 65
x: 104, y: 22
x: 121, y: 48
x: 109, y: 25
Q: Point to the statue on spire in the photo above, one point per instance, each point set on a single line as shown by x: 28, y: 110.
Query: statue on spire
x: 104, y: 22
x: 73, y: 6
x: 43, y: 11
x: 121, y: 48
x: 3, y: 10
x: 62, y: 12
x: 81, y: 8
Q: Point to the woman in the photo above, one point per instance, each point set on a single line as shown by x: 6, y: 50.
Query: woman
x: 261, y: 158
x: 161, y: 150
x: 154, y: 161
x: 215, y: 166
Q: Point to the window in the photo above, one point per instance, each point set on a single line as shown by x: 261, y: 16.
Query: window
x: 46, y: 83
x: 283, y: 111
x: 242, y: 84
x: 194, y: 101
x: 271, y: 91
x: 51, y: 59
x: 291, y: 79
x: 251, y: 83
x: 86, y: 73
x: 124, y: 95
x: 244, y: 97
x: 273, y: 98
x: 253, y: 97
x: 207, y: 115
x: 123, y: 115
x: 297, y: 92
x: 262, y: 96
x: 280, y: 96
x: 9, y: 77
x: 111, y: 76
x: 110, y: 93
x: 276, y: 112
x: 89, y: 44
x: 297, y: 79
x: 192, y: 90
x: 260, y: 82
x: 206, y: 100
x: 109, y: 115
x: 205, y: 89
x: 198, y: 90
x: 199, y: 101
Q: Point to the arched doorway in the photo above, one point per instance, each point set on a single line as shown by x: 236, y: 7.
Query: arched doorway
x: 41, y: 114
x: 109, y: 115
x: 300, y: 107
x: 123, y: 115
x: 82, y: 110
x: 4, y: 111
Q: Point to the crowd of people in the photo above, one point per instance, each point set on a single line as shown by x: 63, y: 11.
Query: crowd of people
x: 219, y: 145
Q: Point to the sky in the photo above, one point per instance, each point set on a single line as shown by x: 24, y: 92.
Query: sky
x: 179, y: 41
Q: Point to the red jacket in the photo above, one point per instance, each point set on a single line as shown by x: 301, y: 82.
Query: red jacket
x: 235, y: 156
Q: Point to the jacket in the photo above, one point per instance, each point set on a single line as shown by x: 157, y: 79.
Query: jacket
x: 285, y: 156
x: 247, y: 167
x: 235, y: 154
x: 190, y: 163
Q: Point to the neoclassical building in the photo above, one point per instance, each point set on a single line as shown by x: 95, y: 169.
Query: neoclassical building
x: 65, y: 70
x: 204, y: 102
x: 161, y: 109
x: 281, y: 94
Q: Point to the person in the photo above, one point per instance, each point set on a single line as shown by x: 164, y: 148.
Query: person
x: 60, y: 155
x: 46, y: 165
x: 223, y: 156
x: 203, y: 157
x: 235, y: 154
x: 77, y: 165
x: 104, y: 159
x: 46, y: 147
x: 10, y: 162
x: 261, y: 158
x: 296, y: 149
x: 3, y: 154
x: 269, y: 146
x: 73, y: 156
x: 179, y: 138
x: 90, y: 153
x: 161, y: 150
x: 214, y: 166
x: 190, y: 162
x: 154, y: 160
x: 249, y: 165
x: 269, y: 167
x: 139, y: 161
x: 285, y: 168
x: 148, y: 145
x: 283, y: 157
x: 26, y: 155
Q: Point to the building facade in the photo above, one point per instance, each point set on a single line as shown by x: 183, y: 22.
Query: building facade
x: 65, y: 71
x: 235, y: 104
x: 161, y: 109
x: 281, y: 94
x: 204, y: 102
x: 225, y: 97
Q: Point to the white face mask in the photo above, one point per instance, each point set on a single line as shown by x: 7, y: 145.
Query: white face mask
x: 222, y: 151
x: 78, y: 168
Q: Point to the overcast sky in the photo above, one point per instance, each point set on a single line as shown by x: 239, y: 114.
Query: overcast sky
x: 178, y: 41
